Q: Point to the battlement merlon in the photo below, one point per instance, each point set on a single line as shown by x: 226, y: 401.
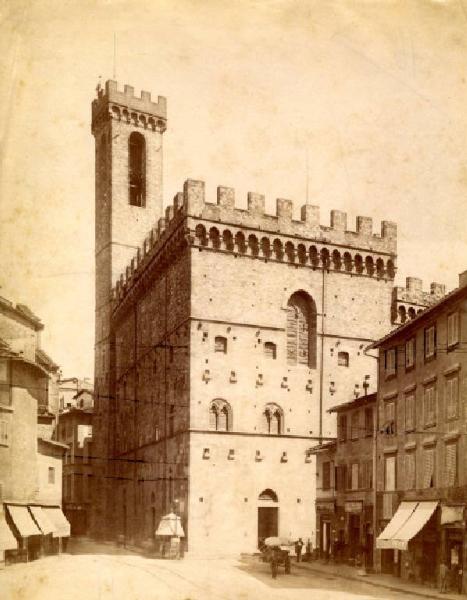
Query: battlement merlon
x: 191, y: 203
x: 125, y: 105
x: 307, y: 227
x: 413, y: 292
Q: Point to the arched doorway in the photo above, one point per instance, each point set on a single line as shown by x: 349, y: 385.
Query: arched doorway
x: 268, y: 514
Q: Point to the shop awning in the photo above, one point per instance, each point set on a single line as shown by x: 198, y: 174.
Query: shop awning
x: 7, y: 539
x: 399, y: 539
x: 42, y: 520
x: 23, y: 521
x: 399, y: 518
x: 59, y: 521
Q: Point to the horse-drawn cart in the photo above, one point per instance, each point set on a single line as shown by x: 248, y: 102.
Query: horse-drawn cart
x: 276, y: 551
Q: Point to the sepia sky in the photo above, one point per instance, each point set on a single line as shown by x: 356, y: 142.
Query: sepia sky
x: 376, y: 91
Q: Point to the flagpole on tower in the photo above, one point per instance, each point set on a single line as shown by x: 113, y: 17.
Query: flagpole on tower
x: 115, y: 57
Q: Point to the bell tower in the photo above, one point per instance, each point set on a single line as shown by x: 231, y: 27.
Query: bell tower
x: 128, y: 134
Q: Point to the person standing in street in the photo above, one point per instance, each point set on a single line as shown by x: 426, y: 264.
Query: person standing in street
x: 298, y: 548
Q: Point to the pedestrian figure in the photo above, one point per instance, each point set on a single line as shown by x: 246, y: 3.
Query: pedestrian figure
x: 443, y: 576
x: 298, y: 548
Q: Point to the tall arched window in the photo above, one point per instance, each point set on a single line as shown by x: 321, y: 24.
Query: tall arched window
x: 220, y: 415
x: 273, y: 419
x: 137, y: 169
x: 301, y: 330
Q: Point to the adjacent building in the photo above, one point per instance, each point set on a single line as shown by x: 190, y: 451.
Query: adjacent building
x: 75, y: 430
x: 344, y: 485
x: 30, y: 461
x: 421, y: 482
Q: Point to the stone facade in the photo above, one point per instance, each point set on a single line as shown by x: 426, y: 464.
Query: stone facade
x: 220, y: 345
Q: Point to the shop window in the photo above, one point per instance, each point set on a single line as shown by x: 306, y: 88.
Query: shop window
x: 410, y: 353
x: 429, y: 406
x: 453, y: 329
x: 343, y: 359
x: 430, y: 342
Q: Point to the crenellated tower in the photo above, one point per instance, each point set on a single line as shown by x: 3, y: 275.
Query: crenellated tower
x: 128, y: 134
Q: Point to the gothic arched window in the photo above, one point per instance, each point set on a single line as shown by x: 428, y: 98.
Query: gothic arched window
x: 273, y: 419
x: 220, y: 416
x: 137, y: 169
x: 301, y: 330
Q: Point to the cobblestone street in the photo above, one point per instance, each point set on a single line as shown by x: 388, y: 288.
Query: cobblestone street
x: 101, y: 572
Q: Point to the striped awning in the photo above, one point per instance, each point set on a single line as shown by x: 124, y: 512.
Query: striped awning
x: 59, y: 521
x: 23, y: 520
x: 45, y: 524
x: 7, y: 539
x: 409, y: 519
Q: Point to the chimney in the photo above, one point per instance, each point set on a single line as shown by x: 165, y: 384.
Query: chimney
x: 463, y: 279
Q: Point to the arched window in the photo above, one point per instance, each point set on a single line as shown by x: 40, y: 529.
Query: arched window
x: 137, y: 169
x: 273, y: 419
x: 301, y: 330
x: 220, y: 415
x: 268, y: 496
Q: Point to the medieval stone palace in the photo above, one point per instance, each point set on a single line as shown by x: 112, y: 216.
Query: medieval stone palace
x: 222, y: 338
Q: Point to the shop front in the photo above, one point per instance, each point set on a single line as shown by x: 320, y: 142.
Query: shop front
x: 325, y: 517
x: 410, y: 543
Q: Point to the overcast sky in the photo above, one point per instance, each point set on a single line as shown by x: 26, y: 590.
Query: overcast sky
x: 375, y: 90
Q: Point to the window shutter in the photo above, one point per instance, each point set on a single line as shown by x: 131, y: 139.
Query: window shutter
x: 450, y: 464
x: 409, y: 471
x: 428, y: 467
x: 390, y: 474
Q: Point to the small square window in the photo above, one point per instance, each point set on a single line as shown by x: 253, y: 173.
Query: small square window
x: 220, y: 344
x: 270, y: 350
x: 51, y: 475
x: 343, y: 359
